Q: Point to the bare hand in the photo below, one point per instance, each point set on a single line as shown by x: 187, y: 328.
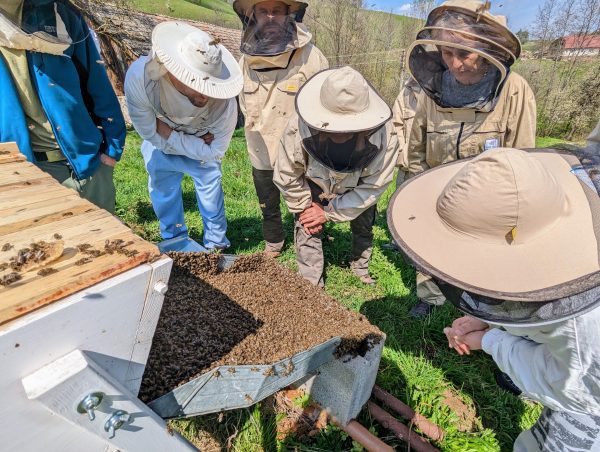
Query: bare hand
x: 463, y: 342
x: 208, y: 138
x: 316, y: 230
x: 108, y: 161
x: 467, y: 324
x: 163, y: 129
x: 313, y: 218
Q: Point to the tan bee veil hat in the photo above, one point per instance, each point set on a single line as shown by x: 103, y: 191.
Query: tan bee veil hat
x: 507, y: 224
x: 341, y: 100
x: 466, y: 26
x: 197, y: 60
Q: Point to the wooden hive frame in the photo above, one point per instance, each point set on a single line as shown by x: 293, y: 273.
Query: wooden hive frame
x: 35, y: 207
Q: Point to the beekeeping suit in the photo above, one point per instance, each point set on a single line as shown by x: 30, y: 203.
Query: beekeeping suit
x: 513, y: 237
x: 345, y: 178
x: 452, y: 120
x: 276, y: 62
x: 462, y: 99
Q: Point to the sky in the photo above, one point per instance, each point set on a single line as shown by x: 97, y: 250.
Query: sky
x: 520, y: 13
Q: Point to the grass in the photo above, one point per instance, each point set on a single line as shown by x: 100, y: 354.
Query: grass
x: 218, y: 12
x: 416, y: 365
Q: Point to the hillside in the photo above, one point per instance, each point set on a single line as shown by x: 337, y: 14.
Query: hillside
x: 217, y: 12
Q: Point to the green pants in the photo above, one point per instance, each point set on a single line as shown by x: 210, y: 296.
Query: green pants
x: 99, y: 189
x: 428, y: 291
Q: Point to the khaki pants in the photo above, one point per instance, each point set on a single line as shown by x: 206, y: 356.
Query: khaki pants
x: 99, y: 189
x: 428, y: 291
x: 309, y: 248
x: 268, y: 197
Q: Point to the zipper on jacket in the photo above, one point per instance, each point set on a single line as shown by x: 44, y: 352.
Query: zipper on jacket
x: 56, y: 135
x: 462, y: 126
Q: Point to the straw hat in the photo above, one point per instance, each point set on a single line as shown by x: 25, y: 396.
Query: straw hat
x: 341, y: 100
x: 506, y: 224
x: 197, y: 60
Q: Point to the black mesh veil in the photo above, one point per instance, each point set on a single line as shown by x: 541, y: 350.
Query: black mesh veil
x: 463, y: 34
x: 269, y: 31
x: 354, y: 153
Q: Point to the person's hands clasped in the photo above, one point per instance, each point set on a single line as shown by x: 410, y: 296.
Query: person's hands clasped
x: 208, y: 138
x: 313, y: 218
x: 163, y: 129
x: 108, y: 161
x: 466, y: 334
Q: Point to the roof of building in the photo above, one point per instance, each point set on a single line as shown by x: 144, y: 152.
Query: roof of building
x: 582, y: 42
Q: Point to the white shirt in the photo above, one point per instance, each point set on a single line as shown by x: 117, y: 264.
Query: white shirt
x: 218, y: 117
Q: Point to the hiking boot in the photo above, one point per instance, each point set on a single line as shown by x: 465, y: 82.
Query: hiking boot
x: 390, y: 246
x: 366, y: 279
x: 421, y: 310
x: 273, y: 249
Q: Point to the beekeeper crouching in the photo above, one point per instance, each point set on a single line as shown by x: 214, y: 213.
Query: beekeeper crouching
x: 181, y: 100
x: 337, y: 157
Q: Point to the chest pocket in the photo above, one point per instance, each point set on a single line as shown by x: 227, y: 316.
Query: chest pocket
x: 442, y: 138
x: 291, y: 85
x: 251, y: 99
x: 478, y: 138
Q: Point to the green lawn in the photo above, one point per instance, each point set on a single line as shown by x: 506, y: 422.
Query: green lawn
x: 218, y: 12
x: 416, y: 366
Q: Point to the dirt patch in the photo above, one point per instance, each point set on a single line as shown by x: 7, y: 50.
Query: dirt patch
x: 466, y: 414
x: 255, y: 312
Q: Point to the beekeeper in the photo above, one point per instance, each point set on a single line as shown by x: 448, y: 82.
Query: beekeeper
x: 278, y: 58
x: 467, y: 100
x: 337, y: 157
x: 56, y: 101
x: 514, y: 236
x: 181, y: 100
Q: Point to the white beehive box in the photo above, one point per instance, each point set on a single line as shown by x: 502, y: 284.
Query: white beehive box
x: 86, y: 329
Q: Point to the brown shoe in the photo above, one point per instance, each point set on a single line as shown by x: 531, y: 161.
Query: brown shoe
x: 273, y: 254
x: 366, y: 279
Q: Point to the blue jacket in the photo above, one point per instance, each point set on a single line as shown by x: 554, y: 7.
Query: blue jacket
x: 74, y: 91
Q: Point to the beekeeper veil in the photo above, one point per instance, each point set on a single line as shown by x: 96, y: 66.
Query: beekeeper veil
x: 270, y: 27
x: 16, y: 33
x: 463, y: 55
x: 342, y: 119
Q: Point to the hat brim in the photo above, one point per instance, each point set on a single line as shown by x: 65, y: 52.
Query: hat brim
x: 242, y: 7
x: 316, y: 116
x: 560, y: 263
x: 166, y: 40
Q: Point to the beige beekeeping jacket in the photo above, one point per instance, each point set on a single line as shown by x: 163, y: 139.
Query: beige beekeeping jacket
x: 267, y: 100
x: 439, y: 135
x: 403, y: 114
x: 349, y: 194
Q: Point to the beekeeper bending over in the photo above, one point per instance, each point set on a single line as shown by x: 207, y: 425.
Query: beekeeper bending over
x: 336, y: 159
x: 462, y: 99
x: 181, y: 102
x: 514, y: 236
x: 278, y: 58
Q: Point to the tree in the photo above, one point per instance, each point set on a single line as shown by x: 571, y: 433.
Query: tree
x: 523, y: 36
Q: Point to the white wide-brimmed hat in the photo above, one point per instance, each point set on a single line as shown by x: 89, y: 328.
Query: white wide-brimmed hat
x: 507, y: 224
x: 197, y: 60
x: 341, y: 100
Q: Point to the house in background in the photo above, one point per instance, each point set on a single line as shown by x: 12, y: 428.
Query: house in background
x: 581, y: 46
